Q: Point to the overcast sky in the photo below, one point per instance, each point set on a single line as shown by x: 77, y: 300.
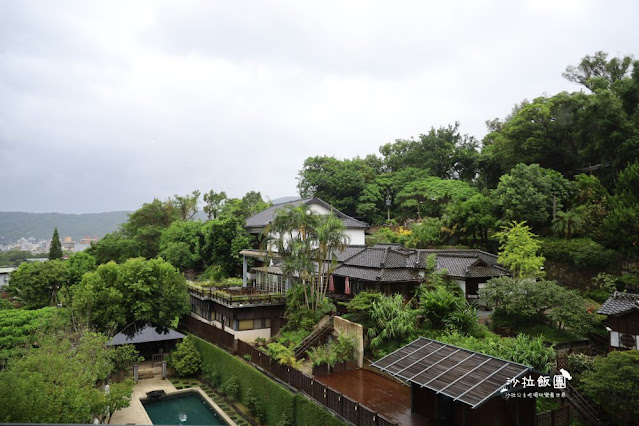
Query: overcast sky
x: 106, y: 105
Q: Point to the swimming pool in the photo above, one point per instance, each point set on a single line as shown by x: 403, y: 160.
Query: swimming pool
x: 183, y: 408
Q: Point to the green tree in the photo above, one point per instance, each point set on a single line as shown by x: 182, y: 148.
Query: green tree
x: 213, y: 203
x: 221, y: 241
x: 612, y: 383
x: 597, y: 66
x: 622, y: 222
x: 567, y: 223
x: 55, y: 249
x: 518, y: 248
x: 186, y: 359
x: 307, y: 243
x: 187, y: 205
x: 180, y: 245
x: 432, y: 194
x: 38, y: 283
x: 57, y: 382
x: 392, y: 320
x: 138, y: 290
x: 19, y: 329
x: 79, y: 264
x: 338, y: 182
x: 530, y: 193
x: 444, y: 152
x: 145, y: 225
x: 116, y: 246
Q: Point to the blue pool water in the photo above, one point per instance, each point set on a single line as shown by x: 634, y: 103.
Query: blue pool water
x: 184, y: 409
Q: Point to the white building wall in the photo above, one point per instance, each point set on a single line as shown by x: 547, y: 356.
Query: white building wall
x: 357, y: 237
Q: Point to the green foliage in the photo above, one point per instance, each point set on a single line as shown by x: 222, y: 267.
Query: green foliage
x: 359, y: 307
x: 581, y: 252
x: 306, y: 242
x: 56, y: 382
x: 180, y: 245
x: 222, y: 240
x: 123, y: 356
x: 37, y: 283
x: 138, y: 290
x: 231, y: 388
x: 279, y: 404
x: 429, y: 196
x: 578, y: 364
x: 427, y: 234
x: 518, y: 251
x: 55, y: 249
x: 567, y: 223
x: 255, y: 406
x: 186, y: 359
x: 14, y: 257
x: 338, y: 182
x: 282, y: 353
x: 392, y: 320
x: 622, y: 223
x: 19, y: 327
x: 521, y: 349
x: 213, y: 203
x: 446, y: 309
x: 612, y: 384
x: 79, y: 264
x: 526, y: 193
x: 444, y: 152
x: 542, y: 301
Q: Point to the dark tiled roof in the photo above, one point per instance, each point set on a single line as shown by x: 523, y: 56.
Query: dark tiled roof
x: 388, y: 262
x: 466, y: 376
x: 265, y: 217
x: 143, y: 332
x: 620, y: 303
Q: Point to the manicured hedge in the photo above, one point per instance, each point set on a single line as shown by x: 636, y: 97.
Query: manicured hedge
x: 275, y: 399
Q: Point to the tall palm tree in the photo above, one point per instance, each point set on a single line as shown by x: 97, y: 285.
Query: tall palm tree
x: 331, y: 236
x: 306, y: 242
x: 567, y: 223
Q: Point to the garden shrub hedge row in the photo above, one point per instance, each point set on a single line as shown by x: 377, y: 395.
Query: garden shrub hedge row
x: 277, y: 401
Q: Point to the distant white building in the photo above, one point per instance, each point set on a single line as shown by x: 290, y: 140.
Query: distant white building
x: 4, y: 276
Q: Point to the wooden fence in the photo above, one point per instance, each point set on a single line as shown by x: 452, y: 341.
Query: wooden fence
x: 349, y: 409
x: 208, y: 332
x: 557, y: 417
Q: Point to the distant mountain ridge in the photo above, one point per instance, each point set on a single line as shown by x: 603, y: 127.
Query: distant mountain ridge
x: 14, y: 225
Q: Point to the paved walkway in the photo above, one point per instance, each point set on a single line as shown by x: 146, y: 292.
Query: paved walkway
x: 388, y: 397
x: 135, y: 413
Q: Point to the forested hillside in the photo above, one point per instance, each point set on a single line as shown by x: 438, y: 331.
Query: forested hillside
x: 14, y: 225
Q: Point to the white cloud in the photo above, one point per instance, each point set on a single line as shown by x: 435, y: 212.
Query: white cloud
x: 105, y: 105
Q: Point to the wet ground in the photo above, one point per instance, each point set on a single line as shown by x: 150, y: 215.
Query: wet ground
x: 388, y: 397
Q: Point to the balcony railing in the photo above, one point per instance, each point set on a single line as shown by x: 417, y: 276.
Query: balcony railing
x: 237, y: 296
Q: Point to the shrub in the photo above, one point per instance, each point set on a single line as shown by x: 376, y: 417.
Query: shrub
x: 581, y: 252
x: 212, y: 376
x: 279, y: 404
x: 254, y: 405
x: 186, y: 359
x: 231, y: 388
x: 612, y: 383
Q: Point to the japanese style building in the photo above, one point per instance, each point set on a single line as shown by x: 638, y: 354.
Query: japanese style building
x: 622, y: 310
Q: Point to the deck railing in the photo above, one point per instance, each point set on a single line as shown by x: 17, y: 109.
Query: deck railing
x: 239, y: 297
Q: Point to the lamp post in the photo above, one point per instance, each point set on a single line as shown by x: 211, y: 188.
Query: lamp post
x: 388, y: 205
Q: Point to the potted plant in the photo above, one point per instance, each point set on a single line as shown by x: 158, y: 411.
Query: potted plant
x: 320, y: 360
x: 344, y: 349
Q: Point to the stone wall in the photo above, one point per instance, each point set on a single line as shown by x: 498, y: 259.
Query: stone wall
x: 346, y: 327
